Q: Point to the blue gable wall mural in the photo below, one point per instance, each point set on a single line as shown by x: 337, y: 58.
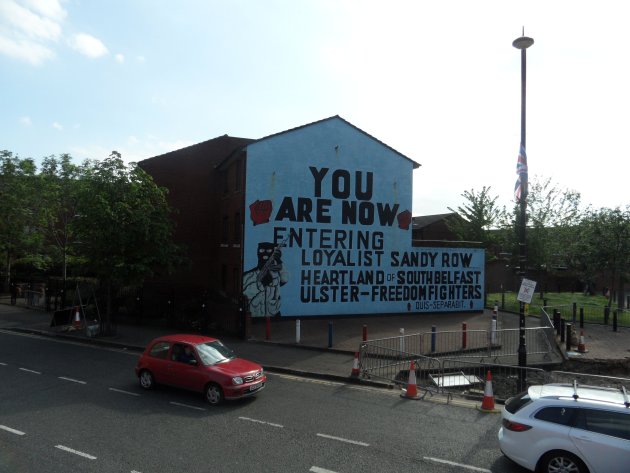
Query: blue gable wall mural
x: 328, y: 231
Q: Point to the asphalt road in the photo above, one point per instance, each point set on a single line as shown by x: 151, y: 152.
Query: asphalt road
x: 70, y: 407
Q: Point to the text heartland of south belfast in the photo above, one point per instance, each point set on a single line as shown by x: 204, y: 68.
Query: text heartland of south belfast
x: 323, y: 238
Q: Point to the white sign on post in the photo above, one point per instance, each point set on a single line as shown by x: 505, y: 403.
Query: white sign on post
x: 526, y: 291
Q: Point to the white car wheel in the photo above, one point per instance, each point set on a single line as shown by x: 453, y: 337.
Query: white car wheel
x: 561, y: 462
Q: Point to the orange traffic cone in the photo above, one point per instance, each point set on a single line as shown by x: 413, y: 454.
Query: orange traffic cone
x: 581, y: 344
x: 487, y: 405
x: 355, y: 366
x: 412, y: 389
x: 76, y: 322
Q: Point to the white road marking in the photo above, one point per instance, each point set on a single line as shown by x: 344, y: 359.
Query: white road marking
x: 76, y: 452
x: 123, y: 392
x: 188, y: 406
x: 461, y: 465
x: 355, y: 442
x: 72, y: 380
x: 134, y: 471
x: 13, y: 431
x: 3, y: 364
x: 316, y: 469
x: 30, y: 371
x: 262, y: 422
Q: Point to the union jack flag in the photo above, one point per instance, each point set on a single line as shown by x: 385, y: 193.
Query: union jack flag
x: 521, y: 171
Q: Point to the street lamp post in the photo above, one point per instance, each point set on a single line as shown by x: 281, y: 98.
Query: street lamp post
x: 523, y: 42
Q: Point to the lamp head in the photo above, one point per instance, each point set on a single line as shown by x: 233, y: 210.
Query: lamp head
x: 523, y: 42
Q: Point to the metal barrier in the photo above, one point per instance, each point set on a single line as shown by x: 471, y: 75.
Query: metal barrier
x: 589, y: 379
x: 444, y: 362
x: 467, y: 378
x: 34, y: 299
x: 591, y: 313
x: 392, y: 366
x: 449, y: 376
x: 479, y: 344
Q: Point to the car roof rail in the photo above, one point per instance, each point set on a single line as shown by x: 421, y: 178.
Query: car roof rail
x: 575, y: 386
x: 625, y: 396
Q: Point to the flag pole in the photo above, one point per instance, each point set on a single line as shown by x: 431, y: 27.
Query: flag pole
x: 522, y: 43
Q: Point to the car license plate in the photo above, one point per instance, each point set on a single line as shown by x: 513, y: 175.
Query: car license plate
x: 256, y: 386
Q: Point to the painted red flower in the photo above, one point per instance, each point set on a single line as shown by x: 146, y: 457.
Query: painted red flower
x: 260, y: 211
x: 404, y: 219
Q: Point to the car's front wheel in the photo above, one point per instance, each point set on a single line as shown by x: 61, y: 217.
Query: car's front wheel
x: 214, y: 394
x: 560, y: 461
x: 146, y: 379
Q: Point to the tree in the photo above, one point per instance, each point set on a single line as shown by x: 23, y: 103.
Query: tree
x: 124, y: 225
x: 552, y: 215
x: 59, y: 195
x: 478, y: 217
x: 19, y: 241
x: 603, y: 246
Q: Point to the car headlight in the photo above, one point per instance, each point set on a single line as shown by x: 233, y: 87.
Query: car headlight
x: 237, y: 380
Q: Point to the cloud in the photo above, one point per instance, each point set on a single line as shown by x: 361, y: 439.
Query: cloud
x: 57, y: 126
x: 26, y: 121
x: 120, y: 58
x: 88, y: 45
x: 29, y: 27
x: 48, y: 8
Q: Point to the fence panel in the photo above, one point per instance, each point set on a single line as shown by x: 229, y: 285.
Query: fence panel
x: 392, y: 366
x: 589, y: 379
x: 467, y: 378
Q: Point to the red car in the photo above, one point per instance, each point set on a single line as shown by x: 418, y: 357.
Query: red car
x: 199, y: 363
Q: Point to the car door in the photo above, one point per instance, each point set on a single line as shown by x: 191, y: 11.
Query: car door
x: 603, y: 438
x: 157, y: 361
x: 186, y: 371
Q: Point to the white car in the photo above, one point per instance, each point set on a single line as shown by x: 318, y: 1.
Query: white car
x: 568, y: 428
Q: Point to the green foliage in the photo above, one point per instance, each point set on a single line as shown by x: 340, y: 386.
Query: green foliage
x: 552, y: 216
x: 123, y: 222
x: 103, y: 218
x: 59, y: 181
x: 603, y: 245
x: 19, y: 240
x: 477, y: 218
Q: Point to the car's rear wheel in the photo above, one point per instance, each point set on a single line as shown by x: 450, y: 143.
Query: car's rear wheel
x: 146, y: 379
x: 214, y: 394
x: 560, y: 461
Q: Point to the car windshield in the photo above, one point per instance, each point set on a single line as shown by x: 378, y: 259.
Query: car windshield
x: 214, y: 352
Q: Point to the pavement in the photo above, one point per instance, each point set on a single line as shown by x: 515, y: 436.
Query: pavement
x: 278, y: 349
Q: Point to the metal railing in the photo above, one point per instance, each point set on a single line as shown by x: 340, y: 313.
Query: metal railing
x: 449, y: 376
x: 456, y: 362
x: 464, y: 377
x: 589, y: 379
x: 478, y: 344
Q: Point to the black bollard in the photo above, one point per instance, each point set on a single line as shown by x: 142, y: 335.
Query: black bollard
x: 614, y: 321
x: 568, y: 336
x: 581, y: 317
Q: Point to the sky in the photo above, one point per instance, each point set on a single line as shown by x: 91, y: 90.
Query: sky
x: 439, y: 81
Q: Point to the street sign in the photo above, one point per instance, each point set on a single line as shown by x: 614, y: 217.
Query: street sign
x: 526, y: 291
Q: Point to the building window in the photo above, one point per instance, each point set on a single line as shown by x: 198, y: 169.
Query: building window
x: 224, y: 182
x: 236, y: 280
x: 225, y: 230
x: 237, y: 176
x: 237, y: 227
x: 224, y: 277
